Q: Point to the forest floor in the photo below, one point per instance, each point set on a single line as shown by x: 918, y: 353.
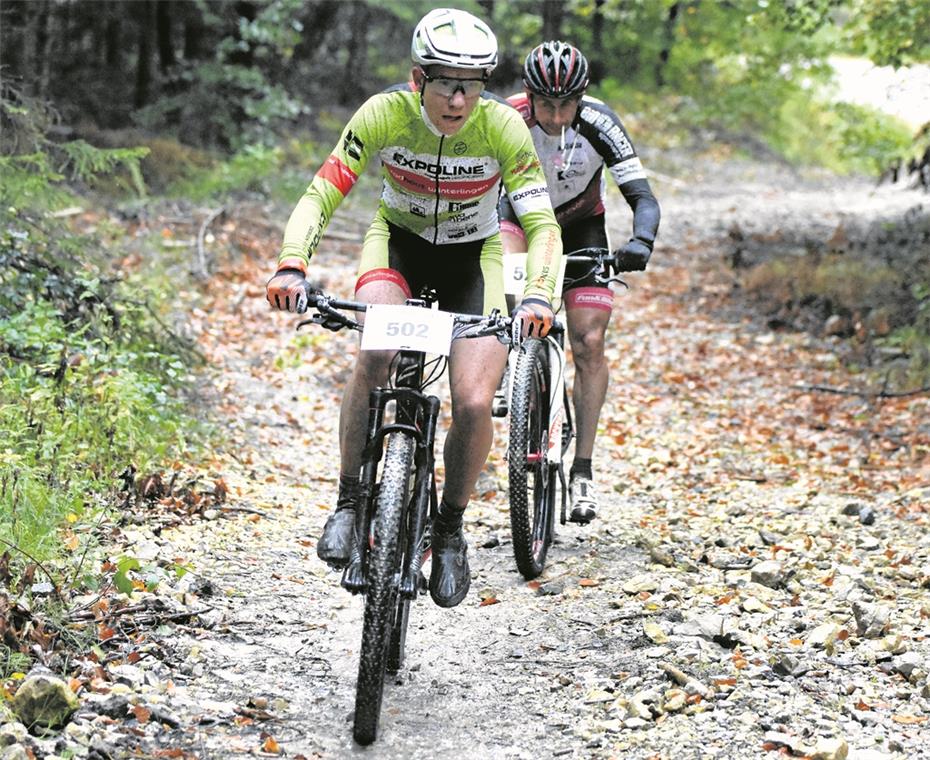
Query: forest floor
x: 765, y: 539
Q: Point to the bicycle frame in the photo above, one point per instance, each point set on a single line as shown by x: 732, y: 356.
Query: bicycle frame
x: 415, y: 414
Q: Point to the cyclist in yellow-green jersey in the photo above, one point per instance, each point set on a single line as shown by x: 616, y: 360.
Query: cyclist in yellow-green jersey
x: 446, y: 150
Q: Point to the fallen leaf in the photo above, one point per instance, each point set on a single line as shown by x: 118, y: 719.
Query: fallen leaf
x: 271, y: 746
x: 909, y: 719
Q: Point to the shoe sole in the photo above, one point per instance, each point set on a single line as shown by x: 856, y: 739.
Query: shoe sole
x: 336, y: 563
x: 582, y: 519
x: 452, y: 601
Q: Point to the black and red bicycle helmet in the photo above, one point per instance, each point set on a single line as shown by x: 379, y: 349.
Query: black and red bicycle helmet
x: 555, y: 70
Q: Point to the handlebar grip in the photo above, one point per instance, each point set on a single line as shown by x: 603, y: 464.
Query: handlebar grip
x: 313, y: 294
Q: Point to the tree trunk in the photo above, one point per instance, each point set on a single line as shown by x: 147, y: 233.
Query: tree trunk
x: 193, y: 32
x: 553, y: 12
x: 112, y: 37
x: 668, y: 40
x: 596, y: 56
x: 48, y: 27
x: 33, y: 22
x: 144, y: 49
x: 358, y: 51
x: 164, y: 11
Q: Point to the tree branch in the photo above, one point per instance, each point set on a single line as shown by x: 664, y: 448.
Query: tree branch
x: 862, y: 393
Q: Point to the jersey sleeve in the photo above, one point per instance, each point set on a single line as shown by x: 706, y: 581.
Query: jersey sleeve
x: 611, y: 140
x: 339, y: 173
x: 528, y: 193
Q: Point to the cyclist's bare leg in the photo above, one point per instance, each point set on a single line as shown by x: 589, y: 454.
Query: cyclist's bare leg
x: 475, y: 365
x: 586, y: 328
x: 371, y: 370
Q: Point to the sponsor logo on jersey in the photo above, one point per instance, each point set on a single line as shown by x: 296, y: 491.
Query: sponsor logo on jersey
x: 610, y: 131
x: 338, y: 174
x: 312, y: 240
x: 417, y: 210
x: 532, y: 192
x: 457, y: 218
x: 439, y: 170
x: 459, y: 148
x: 456, y: 234
x: 353, y: 146
x: 526, y: 161
x: 455, y: 206
x: 535, y: 198
x: 628, y: 170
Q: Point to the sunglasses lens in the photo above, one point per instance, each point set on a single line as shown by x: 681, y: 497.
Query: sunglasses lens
x: 448, y: 87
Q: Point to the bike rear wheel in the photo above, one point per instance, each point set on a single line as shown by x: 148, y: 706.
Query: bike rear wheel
x: 532, y: 479
x: 382, y: 597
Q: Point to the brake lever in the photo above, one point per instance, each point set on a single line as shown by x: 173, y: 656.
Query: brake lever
x: 330, y: 318
x: 608, y: 280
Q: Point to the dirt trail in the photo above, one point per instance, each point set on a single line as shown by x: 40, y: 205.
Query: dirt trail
x: 705, y: 442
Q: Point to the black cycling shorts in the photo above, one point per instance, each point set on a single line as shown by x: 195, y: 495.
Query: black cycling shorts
x: 468, y: 277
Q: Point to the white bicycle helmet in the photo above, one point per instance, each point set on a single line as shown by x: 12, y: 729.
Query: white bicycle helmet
x: 450, y: 37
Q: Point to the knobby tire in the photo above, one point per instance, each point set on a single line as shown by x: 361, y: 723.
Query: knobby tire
x: 383, y: 579
x: 531, y: 478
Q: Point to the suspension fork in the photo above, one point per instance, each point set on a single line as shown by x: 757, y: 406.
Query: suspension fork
x: 419, y: 507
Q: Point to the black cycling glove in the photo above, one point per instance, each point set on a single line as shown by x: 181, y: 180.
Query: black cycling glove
x: 633, y: 256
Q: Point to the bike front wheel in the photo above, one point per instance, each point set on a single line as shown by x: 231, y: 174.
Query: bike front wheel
x: 532, y: 479
x: 381, y: 599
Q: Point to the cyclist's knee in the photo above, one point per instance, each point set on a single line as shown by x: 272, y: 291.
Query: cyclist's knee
x: 471, y: 406
x: 373, y: 365
x: 588, y: 345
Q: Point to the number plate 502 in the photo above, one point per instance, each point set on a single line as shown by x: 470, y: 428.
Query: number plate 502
x: 391, y: 327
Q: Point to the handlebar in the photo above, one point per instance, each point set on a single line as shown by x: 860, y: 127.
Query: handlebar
x: 330, y: 314
x: 603, y: 265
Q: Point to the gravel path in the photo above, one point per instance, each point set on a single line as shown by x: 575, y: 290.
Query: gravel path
x: 756, y: 581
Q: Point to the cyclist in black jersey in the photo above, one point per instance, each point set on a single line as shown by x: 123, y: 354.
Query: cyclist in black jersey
x: 577, y: 137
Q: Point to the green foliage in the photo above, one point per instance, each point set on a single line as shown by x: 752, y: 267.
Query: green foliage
x: 280, y: 172
x: 232, y: 100
x: 89, y: 386
x: 868, y: 140
x: 889, y: 32
x: 12, y: 662
x: 90, y: 382
x: 33, y: 168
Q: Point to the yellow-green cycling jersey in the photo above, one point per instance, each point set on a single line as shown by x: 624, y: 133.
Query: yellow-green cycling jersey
x: 443, y: 188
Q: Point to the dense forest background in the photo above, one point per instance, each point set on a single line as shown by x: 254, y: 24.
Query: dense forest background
x: 223, y: 75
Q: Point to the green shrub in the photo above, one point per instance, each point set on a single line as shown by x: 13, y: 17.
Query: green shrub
x: 91, y: 383
x: 89, y: 386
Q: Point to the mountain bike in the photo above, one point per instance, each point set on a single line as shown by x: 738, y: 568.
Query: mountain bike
x: 541, y: 429
x: 397, y: 495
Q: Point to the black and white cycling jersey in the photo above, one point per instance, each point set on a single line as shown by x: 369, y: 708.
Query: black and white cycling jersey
x: 574, y: 164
